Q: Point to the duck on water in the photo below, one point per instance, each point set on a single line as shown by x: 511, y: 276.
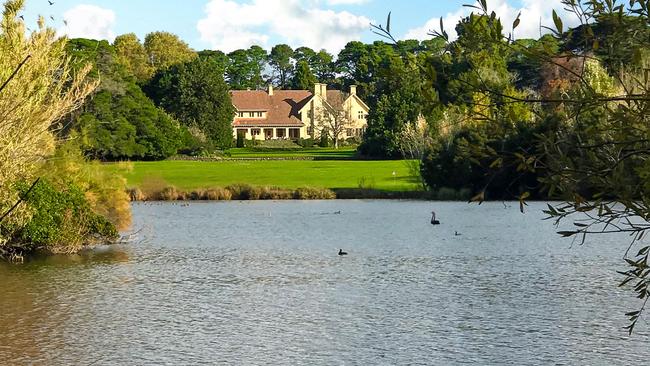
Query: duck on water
x: 433, y: 219
x: 341, y: 252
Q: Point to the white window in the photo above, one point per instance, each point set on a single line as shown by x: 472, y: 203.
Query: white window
x: 361, y: 115
x: 255, y: 131
x: 251, y: 114
x: 240, y: 114
x: 259, y: 114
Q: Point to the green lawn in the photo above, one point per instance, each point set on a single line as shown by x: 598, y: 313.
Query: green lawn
x: 290, y: 174
x: 316, y: 153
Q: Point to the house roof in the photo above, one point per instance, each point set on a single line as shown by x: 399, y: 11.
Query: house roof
x: 282, y: 107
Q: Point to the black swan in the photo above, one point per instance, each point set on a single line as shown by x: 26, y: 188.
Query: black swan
x: 433, y: 219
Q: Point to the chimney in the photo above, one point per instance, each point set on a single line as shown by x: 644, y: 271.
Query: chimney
x: 270, y: 90
x: 353, y: 89
x: 317, y: 89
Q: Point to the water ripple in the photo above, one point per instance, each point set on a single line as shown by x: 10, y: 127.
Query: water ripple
x: 260, y: 283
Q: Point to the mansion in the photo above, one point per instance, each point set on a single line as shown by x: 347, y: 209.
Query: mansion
x: 294, y: 114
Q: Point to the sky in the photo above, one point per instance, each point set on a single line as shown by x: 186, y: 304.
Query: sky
x: 228, y: 25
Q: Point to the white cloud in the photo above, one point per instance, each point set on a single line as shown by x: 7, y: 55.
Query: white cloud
x: 89, y: 21
x: 229, y: 25
x: 347, y: 2
x: 533, y: 12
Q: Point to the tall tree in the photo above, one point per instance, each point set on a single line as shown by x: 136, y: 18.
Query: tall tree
x: 197, y: 95
x: 353, y: 61
x: 280, y: 61
x: 303, y: 78
x: 398, y: 106
x: 165, y: 49
x: 133, y: 56
x: 258, y: 58
x: 240, y: 71
x: 304, y: 54
x: 218, y: 58
x: 323, y: 67
x: 119, y: 121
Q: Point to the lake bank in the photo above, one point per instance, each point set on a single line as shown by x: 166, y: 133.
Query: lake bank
x: 244, y: 192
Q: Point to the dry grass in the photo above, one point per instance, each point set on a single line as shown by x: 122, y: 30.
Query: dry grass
x: 156, y: 189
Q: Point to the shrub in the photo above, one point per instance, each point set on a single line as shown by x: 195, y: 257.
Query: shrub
x: 240, y: 191
x: 62, y: 221
x: 314, y: 194
x: 307, y: 143
x: 217, y: 194
x: 324, y: 140
x: 105, y: 192
x: 278, y: 144
x: 169, y: 193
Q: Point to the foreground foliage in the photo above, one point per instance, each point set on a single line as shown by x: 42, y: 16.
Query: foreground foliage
x: 583, y: 136
x: 56, y: 212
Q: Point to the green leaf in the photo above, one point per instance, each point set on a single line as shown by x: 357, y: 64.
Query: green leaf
x: 388, y: 23
x: 484, y: 5
x: 515, y: 24
x: 558, y: 23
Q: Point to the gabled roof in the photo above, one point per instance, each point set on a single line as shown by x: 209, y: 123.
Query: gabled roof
x: 282, y: 107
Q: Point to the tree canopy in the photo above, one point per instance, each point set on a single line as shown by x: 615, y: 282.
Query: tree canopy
x: 196, y: 94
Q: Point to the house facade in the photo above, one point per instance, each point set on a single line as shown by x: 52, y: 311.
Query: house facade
x: 293, y: 114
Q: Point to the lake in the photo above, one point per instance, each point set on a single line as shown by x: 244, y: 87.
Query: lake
x: 257, y: 283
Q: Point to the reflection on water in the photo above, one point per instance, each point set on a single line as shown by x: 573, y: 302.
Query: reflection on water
x: 261, y: 283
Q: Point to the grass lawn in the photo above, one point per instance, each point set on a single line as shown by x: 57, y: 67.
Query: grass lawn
x: 290, y: 174
x: 316, y: 153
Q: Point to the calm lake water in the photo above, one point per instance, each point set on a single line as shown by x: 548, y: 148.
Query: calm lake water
x: 257, y: 283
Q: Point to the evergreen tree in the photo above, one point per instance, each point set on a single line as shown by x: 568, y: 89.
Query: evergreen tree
x: 196, y: 94
x: 303, y: 79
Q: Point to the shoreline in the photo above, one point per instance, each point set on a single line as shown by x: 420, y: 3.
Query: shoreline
x: 245, y: 192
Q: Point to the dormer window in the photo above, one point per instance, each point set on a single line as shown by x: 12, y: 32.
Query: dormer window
x: 240, y: 114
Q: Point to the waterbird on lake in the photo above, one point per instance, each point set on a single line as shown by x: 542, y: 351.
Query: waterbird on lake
x: 433, y: 219
x: 341, y: 252
x: 337, y: 213
x: 456, y: 233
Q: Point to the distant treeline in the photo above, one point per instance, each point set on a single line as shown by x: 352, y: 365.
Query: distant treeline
x: 452, y: 105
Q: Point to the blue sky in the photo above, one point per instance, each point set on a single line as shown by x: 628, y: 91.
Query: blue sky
x: 232, y: 24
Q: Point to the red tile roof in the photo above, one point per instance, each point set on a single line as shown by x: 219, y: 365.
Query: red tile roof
x: 282, y: 107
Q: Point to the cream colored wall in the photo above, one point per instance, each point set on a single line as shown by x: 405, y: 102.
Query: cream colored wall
x: 316, y: 105
x: 309, y: 119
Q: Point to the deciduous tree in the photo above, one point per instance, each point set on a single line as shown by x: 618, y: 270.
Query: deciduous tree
x: 165, y: 49
x: 134, y: 56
